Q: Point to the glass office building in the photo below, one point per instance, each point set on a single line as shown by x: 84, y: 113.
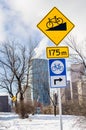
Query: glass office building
x: 40, y: 81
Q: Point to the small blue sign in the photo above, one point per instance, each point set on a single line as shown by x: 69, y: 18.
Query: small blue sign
x: 57, y: 67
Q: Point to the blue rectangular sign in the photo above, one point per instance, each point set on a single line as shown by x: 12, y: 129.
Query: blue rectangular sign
x: 57, y: 67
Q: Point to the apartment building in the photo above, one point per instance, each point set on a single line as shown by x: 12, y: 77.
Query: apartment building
x: 77, y: 71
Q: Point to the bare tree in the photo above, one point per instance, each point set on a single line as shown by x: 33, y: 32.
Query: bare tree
x: 78, y: 56
x: 15, y: 64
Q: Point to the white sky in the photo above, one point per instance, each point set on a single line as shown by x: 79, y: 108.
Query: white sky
x: 22, y: 16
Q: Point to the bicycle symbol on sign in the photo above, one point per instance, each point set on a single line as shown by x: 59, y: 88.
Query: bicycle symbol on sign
x: 51, y: 22
x: 57, y: 68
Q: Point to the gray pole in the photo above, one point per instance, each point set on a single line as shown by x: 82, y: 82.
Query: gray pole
x: 60, y: 110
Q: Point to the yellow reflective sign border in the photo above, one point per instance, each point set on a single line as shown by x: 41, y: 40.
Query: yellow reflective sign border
x: 57, y: 52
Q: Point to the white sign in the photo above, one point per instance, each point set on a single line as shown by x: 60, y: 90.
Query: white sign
x: 58, y: 81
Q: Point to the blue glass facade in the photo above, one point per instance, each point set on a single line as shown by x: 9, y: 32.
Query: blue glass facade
x: 40, y: 81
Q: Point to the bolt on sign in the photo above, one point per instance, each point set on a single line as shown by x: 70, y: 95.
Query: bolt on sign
x: 57, y: 52
x: 55, y: 25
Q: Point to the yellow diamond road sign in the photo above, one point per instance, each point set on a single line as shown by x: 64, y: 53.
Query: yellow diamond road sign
x: 55, y: 25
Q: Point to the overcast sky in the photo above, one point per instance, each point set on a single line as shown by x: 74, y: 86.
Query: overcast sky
x: 22, y: 16
x: 19, y: 18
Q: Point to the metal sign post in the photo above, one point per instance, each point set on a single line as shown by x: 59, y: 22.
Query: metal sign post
x: 58, y: 79
x: 60, y: 110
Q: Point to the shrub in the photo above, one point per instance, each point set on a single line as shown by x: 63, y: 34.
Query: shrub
x: 74, y: 108
x: 49, y: 110
x: 24, y: 108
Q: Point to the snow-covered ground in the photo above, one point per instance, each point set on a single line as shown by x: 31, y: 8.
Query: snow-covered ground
x: 11, y: 121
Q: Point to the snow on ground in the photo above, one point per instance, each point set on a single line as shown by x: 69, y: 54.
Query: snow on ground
x: 11, y: 121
